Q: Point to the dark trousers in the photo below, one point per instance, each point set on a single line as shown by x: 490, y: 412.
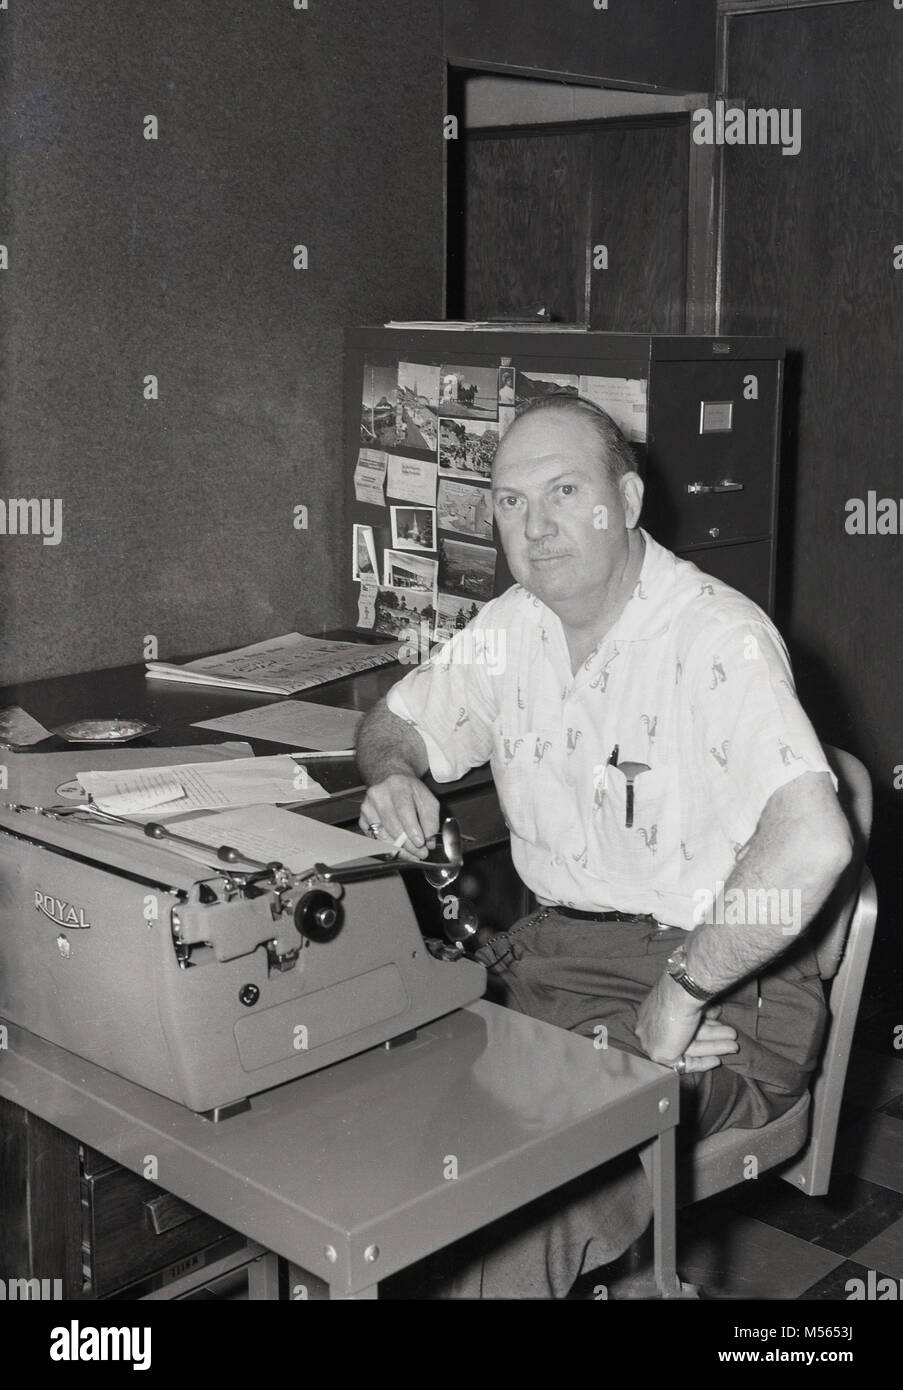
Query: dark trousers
x: 578, y: 975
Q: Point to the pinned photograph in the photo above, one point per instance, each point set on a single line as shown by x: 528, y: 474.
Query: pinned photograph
x: 417, y: 406
x: 470, y: 393
x: 532, y: 385
x: 467, y: 448
x: 465, y: 508
x: 507, y: 376
x: 398, y: 608
x: 413, y: 528
x: 402, y: 570
x: 364, y: 555
x: 378, y: 404
x: 467, y: 571
x: 453, y: 614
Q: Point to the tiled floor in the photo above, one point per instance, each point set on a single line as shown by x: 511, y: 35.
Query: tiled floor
x: 765, y: 1239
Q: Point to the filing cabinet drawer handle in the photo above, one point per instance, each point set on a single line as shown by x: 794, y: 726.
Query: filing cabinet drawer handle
x: 166, y: 1212
x: 726, y: 485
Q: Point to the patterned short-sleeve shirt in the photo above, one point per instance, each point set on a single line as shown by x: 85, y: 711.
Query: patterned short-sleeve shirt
x: 692, y: 687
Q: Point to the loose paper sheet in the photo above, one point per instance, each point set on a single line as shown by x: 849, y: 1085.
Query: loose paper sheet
x: 297, y: 841
x: 202, y: 786
x: 17, y: 727
x: 296, y: 722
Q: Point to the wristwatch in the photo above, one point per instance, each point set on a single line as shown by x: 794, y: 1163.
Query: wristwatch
x: 677, y: 969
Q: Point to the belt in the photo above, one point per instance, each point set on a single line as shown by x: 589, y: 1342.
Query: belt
x: 579, y: 916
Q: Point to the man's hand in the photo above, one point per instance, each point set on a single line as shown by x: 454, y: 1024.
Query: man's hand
x: 402, y: 804
x: 672, y: 1025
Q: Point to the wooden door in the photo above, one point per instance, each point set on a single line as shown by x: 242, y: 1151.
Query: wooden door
x: 588, y: 222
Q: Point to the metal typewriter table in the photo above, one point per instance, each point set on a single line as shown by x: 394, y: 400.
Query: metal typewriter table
x: 363, y: 1168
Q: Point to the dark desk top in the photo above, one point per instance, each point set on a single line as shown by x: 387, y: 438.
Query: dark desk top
x: 125, y: 691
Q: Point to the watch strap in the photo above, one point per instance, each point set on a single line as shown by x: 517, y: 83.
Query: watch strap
x: 677, y: 969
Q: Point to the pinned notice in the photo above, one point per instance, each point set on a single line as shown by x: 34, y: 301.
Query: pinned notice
x: 370, y: 477
x: 623, y: 398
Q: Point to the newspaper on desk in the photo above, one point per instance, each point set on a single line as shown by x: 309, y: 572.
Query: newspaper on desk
x: 281, y: 666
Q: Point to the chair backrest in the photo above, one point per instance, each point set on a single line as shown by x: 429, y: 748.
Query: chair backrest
x: 854, y: 791
x: 847, y: 927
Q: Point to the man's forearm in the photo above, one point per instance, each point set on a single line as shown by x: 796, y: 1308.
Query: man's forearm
x: 387, y: 747
x: 770, y: 898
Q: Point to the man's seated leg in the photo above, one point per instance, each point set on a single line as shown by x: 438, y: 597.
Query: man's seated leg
x: 576, y: 975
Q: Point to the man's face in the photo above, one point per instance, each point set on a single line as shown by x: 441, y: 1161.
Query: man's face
x: 563, y: 523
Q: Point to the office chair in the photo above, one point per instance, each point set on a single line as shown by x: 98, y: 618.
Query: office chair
x: 807, y: 1133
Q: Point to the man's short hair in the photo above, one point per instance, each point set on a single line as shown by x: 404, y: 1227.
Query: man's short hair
x: 615, y: 451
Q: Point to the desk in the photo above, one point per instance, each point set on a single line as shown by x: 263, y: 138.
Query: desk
x: 361, y: 1169
x: 176, y: 707
x: 353, y: 1158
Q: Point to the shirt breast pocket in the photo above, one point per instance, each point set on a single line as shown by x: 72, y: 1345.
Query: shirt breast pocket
x: 633, y: 820
x: 523, y: 766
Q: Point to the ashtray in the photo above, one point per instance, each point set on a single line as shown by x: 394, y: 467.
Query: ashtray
x: 104, y: 730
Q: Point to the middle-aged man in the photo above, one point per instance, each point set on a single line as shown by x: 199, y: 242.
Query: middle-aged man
x: 665, y: 793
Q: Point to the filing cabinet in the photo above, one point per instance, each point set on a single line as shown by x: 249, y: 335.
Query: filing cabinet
x: 87, y: 1228
x: 136, y: 1236
x: 708, y: 449
x: 712, y: 456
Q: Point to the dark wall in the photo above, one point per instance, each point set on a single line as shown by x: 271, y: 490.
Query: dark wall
x: 530, y: 205
x: 173, y: 257
x: 809, y: 250
x: 658, y: 43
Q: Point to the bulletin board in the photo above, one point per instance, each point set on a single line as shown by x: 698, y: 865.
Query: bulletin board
x: 425, y: 411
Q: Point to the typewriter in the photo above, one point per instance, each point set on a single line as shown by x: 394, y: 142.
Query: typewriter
x: 209, y: 983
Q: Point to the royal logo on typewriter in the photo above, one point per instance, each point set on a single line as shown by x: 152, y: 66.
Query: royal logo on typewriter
x: 63, y: 913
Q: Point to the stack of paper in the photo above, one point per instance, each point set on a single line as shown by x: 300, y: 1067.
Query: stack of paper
x: 171, y: 791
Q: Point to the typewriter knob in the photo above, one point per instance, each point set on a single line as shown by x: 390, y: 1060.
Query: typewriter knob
x: 318, y: 916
